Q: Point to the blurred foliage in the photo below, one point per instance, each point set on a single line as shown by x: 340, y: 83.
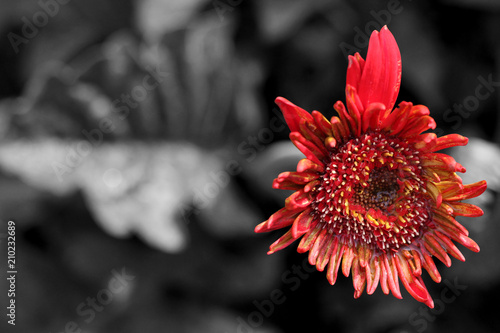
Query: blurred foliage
x: 142, y: 135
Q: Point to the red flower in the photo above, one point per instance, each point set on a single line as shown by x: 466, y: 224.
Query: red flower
x: 373, y: 196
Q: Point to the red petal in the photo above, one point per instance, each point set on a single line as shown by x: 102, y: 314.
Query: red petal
x: 330, y: 143
x: 310, y: 135
x: 282, y: 242
x: 283, y: 182
x: 339, y: 130
x: 311, y: 185
x: 465, y: 241
x: 416, y: 263
x: 469, y: 191
x: 433, y: 190
x: 333, y: 266
x: 381, y: 77
x: 346, y: 119
x: 306, y: 165
x: 397, y: 119
x: 326, y: 252
x: 322, y: 123
x: 358, y: 278
x: 282, y: 218
x: 302, y: 223
x: 355, y: 109
x: 450, y: 140
x: 449, y: 246
x: 308, y: 239
x: 433, y: 246
x: 364, y: 255
x: 417, y: 111
x: 347, y: 260
x: 442, y: 161
x: 392, y: 275
x: 309, y: 149
x: 447, y: 222
x: 413, y: 284
x: 298, y: 201
x: 298, y: 177
x: 430, y: 266
x: 466, y: 209
x: 371, y: 117
x: 354, y: 70
x: 419, y: 126
x: 426, y: 142
x: 372, y: 275
x: 293, y: 113
x: 318, y: 246
x: 383, y: 278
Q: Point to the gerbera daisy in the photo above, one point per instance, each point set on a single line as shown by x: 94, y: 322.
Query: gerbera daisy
x: 373, y: 196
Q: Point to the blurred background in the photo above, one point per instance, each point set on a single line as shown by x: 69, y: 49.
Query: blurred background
x: 139, y: 141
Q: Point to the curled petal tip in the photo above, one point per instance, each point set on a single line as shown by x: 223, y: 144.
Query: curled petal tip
x: 430, y: 303
x: 293, y: 113
x: 260, y: 227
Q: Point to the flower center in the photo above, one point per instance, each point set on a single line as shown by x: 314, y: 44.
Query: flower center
x: 381, y: 191
x: 373, y: 192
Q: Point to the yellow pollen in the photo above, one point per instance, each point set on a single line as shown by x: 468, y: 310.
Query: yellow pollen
x: 371, y: 219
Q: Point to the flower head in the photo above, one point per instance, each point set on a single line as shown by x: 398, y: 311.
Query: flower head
x: 373, y: 196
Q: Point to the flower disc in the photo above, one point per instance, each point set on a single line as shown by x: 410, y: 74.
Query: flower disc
x: 373, y: 193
